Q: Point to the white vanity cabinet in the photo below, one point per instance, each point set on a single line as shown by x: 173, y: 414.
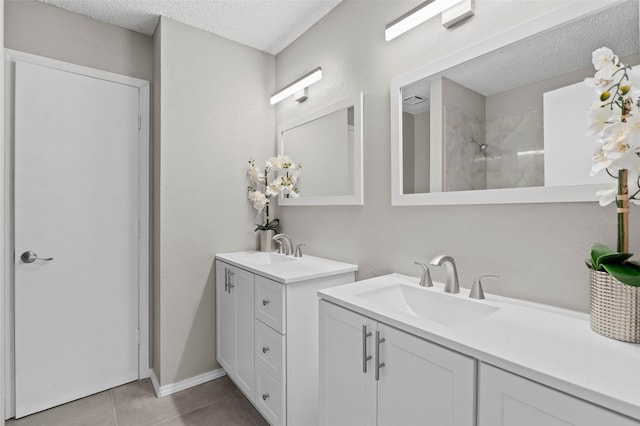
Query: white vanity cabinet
x: 506, y: 399
x: 374, y: 374
x: 235, y: 319
x: 267, y: 333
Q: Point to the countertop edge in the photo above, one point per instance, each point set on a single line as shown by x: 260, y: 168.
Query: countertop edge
x: 341, y: 268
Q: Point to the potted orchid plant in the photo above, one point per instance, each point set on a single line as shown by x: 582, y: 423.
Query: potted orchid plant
x: 614, y: 120
x: 261, y: 188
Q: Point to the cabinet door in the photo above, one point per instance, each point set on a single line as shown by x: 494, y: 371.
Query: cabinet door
x: 235, y: 325
x: 422, y: 383
x: 241, y: 287
x: 506, y: 399
x: 347, y: 385
x: 225, y: 320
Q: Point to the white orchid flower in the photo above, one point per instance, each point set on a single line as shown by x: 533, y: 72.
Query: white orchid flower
x: 601, y: 81
x: 607, y: 196
x: 258, y: 199
x: 614, y: 135
x: 598, y: 119
x: 604, y: 59
x: 255, y: 175
x: 601, y: 162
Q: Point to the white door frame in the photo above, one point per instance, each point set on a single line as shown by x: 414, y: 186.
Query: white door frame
x: 11, y: 57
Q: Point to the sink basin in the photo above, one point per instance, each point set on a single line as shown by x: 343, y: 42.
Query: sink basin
x: 266, y: 258
x: 435, y: 306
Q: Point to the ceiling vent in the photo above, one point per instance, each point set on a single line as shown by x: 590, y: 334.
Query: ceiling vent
x: 412, y: 100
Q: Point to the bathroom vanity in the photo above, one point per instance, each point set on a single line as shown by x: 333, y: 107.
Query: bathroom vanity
x: 267, y: 329
x: 394, y: 353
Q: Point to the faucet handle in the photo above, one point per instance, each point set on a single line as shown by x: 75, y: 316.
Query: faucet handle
x: 425, y: 278
x: 476, y: 290
x: 298, y: 250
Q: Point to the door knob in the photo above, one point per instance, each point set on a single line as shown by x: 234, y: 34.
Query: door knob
x: 31, y: 256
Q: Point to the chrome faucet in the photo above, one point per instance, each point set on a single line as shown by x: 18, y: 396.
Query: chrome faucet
x: 451, y: 284
x: 425, y: 278
x: 288, y: 247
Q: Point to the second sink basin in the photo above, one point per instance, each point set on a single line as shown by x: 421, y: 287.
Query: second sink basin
x: 266, y: 258
x: 442, y: 308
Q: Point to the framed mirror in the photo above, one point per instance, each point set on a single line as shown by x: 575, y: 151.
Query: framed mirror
x: 505, y: 120
x: 328, y: 143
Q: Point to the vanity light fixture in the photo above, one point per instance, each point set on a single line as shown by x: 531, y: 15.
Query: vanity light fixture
x: 427, y: 10
x: 297, y: 86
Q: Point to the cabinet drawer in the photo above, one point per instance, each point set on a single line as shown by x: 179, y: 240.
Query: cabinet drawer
x: 269, y: 398
x: 270, y: 353
x: 270, y: 303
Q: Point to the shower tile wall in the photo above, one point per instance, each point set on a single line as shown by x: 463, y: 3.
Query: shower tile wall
x: 514, y: 156
x: 515, y: 153
x: 466, y: 166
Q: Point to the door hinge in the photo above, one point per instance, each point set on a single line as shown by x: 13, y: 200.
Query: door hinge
x: 138, y: 337
x: 139, y: 121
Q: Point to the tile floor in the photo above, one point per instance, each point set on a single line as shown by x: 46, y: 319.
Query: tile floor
x: 214, y: 403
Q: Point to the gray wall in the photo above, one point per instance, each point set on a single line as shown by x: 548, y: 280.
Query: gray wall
x: 44, y: 30
x: 538, y: 250
x: 214, y: 116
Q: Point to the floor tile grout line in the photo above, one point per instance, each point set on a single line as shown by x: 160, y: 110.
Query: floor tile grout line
x: 194, y: 409
x: 113, y: 405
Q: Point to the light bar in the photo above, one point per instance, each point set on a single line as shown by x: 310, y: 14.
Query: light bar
x: 296, y: 86
x: 417, y: 16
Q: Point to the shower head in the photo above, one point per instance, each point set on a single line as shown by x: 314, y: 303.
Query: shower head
x: 483, y: 146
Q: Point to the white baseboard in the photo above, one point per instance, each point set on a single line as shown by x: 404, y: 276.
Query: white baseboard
x: 184, y: 384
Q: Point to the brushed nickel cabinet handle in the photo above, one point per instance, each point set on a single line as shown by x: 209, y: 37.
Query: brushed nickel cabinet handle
x: 365, y: 357
x: 379, y: 364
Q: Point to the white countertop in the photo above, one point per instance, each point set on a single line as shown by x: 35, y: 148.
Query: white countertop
x: 549, y: 345
x: 295, y: 269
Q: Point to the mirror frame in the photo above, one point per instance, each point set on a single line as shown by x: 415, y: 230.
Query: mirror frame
x: 357, y: 198
x: 542, y: 194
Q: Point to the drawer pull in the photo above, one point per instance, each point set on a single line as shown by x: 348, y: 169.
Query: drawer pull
x: 265, y: 302
x: 265, y: 349
x: 265, y: 396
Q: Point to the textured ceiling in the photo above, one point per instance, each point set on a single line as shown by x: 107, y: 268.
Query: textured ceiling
x: 267, y: 25
x: 552, y: 53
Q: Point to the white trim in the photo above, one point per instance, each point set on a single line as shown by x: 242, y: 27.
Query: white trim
x: 162, y: 391
x: 357, y: 198
x: 581, y: 193
x: 11, y: 57
x: 8, y: 337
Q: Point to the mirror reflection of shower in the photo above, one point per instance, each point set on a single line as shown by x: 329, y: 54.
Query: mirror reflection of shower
x: 482, y: 146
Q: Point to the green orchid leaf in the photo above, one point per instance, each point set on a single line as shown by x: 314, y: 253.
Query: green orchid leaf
x: 596, y: 250
x: 589, y: 265
x: 624, y: 273
x: 611, y: 259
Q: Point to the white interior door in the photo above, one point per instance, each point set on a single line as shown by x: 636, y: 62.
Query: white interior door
x: 76, y: 201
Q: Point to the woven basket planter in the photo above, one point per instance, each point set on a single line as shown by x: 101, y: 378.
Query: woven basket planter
x: 615, y: 308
